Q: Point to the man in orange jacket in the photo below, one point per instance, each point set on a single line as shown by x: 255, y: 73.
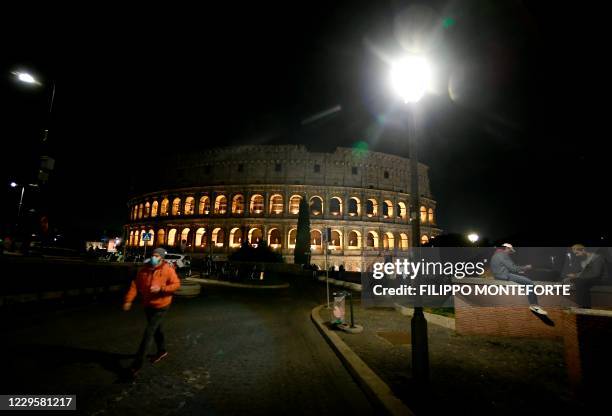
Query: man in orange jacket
x: 156, y: 282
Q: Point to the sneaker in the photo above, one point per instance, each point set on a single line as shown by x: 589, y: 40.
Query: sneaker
x: 538, y: 310
x: 158, y: 357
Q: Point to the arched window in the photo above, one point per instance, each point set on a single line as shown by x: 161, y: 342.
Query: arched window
x: 257, y: 204
x: 186, y: 237
x: 372, y: 240
x: 140, y: 209
x: 176, y: 206
x: 220, y: 205
x: 147, y: 209
x: 424, y: 239
x: 430, y: 214
x: 388, y: 241
x: 401, y: 210
x: 136, y: 237
x: 189, y: 205
x: 353, y: 207
x: 336, y: 239
x: 316, y: 206
x: 154, y: 208
x: 294, y: 204
x: 200, y: 240
x: 255, y: 235
x: 172, y: 237
x: 335, y: 206
x: 218, y: 237
x: 131, y: 238
x: 161, y: 237
x: 354, y: 239
x: 204, y: 207
x: 274, y: 238
x: 238, y: 205
x: 404, y: 242
x: 423, y: 215
x: 388, y: 209
x: 291, y: 238
x: 276, y: 204
x: 371, y: 208
x: 235, y: 237
x: 315, y: 240
x: 164, y: 207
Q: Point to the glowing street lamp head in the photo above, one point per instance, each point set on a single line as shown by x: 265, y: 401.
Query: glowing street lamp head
x: 473, y: 237
x: 26, y: 78
x: 410, y: 78
x: 13, y: 184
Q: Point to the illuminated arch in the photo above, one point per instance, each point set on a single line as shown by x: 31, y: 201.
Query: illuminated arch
x: 387, y: 209
x: 316, y: 206
x: 316, y: 242
x: 220, y: 204
x: 218, y: 237
x: 189, y: 208
x: 237, y: 205
x: 430, y: 215
x: 294, y: 204
x: 404, y: 242
x: 388, y: 241
x: 336, y: 239
x: 354, y: 207
x: 164, y: 207
x: 154, y: 208
x: 335, y: 206
x: 172, y: 237
x: 371, y: 207
x: 176, y: 206
x: 200, y: 237
x: 372, y: 239
x: 274, y: 238
x: 424, y: 239
x: 276, y: 204
x: 354, y: 239
x: 235, y: 237
x: 147, y: 209
x: 402, y: 210
x: 255, y: 235
x: 256, y: 205
x: 140, y: 209
x: 291, y: 236
x: 204, y: 205
x: 423, y: 212
x: 161, y: 237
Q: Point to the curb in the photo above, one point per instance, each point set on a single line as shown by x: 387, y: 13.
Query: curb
x: 353, y: 286
x: 239, y: 285
x: 443, y: 321
x: 373, y: 386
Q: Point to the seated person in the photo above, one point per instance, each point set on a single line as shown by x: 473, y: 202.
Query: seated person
x: 594, y: 272
x: 503, y: 268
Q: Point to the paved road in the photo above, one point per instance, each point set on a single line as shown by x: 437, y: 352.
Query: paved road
x: 231, y: 352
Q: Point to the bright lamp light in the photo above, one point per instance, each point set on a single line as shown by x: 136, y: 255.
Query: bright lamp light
x: 25, y: 77
x: 410, y: 78
x: 473, y: 237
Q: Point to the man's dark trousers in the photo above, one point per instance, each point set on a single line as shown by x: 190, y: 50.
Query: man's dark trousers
x: 155, y: 331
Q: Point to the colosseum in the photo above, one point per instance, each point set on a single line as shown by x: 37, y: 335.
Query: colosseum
x: 207, y: 203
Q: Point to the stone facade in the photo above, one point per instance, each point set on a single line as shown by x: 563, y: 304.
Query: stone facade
x: 211, y: 201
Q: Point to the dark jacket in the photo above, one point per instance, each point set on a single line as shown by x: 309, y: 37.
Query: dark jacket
x: 595, y: 270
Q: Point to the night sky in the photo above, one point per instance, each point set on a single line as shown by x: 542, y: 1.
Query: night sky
x: 516, y: 148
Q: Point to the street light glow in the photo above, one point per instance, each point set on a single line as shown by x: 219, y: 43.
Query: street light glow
x: 25, y: 77
x: 13, y: 184
x: 410, y: 78
x: 473, y: 237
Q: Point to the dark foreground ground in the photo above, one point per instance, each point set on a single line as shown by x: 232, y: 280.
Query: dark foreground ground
x: 231, y: 352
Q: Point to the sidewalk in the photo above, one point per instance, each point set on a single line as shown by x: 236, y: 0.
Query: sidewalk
x: 469, y: 374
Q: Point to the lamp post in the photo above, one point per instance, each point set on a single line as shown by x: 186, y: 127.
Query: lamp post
x: 410, y: 78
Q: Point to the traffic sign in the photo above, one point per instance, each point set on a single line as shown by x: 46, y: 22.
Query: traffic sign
x: 146, y: 237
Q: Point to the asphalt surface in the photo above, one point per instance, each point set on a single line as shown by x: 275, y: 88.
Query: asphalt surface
x: 231, y: 352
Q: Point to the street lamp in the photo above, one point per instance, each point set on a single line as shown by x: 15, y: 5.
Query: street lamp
x: 410, y: 78
x: 28, y: 78
x: 473, y: 237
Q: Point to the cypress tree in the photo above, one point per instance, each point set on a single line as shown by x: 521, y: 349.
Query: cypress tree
x: 302, y: 241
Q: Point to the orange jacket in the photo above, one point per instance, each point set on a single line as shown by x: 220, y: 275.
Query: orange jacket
x: 163, y: 276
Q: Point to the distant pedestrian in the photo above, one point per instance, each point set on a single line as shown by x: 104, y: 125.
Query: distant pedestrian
x: 503, y: 268
x: 156, y: 282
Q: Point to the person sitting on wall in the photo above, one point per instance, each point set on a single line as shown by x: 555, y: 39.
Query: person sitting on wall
x: 503, y: 268
x: 594, y: 272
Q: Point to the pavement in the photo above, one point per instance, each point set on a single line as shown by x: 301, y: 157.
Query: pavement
x: 232, y: 352
x: 476, y: 375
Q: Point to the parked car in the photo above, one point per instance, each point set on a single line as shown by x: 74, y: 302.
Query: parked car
x: 181, y: 262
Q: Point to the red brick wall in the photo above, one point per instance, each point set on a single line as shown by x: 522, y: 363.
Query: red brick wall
x: 510, y: 321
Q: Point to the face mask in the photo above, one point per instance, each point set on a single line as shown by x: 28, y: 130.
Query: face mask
x: 155, y: 261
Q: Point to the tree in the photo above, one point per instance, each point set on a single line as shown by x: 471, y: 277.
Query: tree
x: 302, y: 241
